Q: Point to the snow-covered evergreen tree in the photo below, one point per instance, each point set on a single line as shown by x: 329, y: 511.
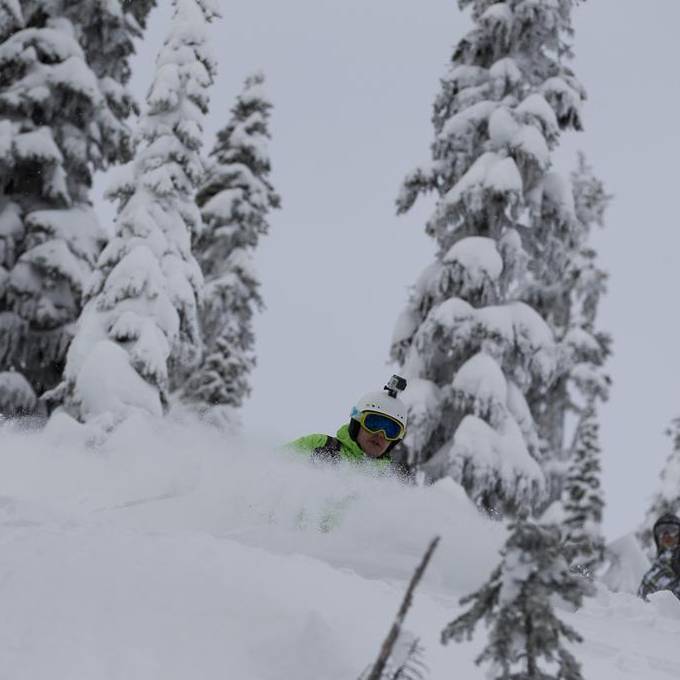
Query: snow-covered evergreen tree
x: 105, y: 29
x: 235, y: 200
x: 61, y: 118
x: 470, y: 346
x: 570, y: 304
x: 667, y: 497
x: 589, y: 347
x: 583, y: 497
x: 578, y: 392
x: 141, y: 317
x: 526, y: 637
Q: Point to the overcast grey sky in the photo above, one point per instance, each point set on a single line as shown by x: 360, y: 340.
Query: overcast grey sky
x: 352, y: 84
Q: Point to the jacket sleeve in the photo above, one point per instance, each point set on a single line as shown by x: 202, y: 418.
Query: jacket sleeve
x: 308, y: 443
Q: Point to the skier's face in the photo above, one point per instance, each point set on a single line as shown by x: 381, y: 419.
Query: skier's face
x: 373, y: 444
x: 669, y: 535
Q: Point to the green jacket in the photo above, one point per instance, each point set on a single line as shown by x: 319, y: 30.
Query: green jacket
x: 321, y: 445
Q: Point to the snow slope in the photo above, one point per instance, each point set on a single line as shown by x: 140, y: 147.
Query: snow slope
x: 166, y: 551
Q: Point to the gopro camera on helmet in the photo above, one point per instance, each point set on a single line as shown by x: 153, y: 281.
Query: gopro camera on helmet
x: 395, y: 385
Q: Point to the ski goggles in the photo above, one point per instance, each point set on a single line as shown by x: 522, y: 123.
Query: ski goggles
x: 378, y: 422
x: 672, y: 530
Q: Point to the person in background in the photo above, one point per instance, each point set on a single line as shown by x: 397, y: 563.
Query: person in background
x: 664, y: 573
x: 377, y: 424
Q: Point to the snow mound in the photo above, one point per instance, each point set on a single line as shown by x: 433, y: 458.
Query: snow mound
x: 627, y: 565
x: 165, y: 550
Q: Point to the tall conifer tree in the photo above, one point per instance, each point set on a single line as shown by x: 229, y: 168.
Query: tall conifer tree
x: 141, y: 321
x: 63, y: 107
x: 570, y: 303
x: 235, y: 200
x: 472, y: 348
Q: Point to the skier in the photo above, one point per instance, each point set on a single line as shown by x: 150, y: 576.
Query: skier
x: 377, y: 424
x: 664, y: 574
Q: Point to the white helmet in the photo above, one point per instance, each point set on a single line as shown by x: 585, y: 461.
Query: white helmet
x: 384, y: 402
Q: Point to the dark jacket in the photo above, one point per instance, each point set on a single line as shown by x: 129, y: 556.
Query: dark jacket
x: 664, y: 573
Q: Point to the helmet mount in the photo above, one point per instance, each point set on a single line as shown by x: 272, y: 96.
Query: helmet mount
x: 395, y: 385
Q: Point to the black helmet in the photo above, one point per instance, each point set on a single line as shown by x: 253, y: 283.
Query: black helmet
x: 667, y: 518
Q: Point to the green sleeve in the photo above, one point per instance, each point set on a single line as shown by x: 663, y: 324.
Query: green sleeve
x: 308, y: 443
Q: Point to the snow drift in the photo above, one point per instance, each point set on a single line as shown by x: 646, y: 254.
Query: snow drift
x: 166, y: 550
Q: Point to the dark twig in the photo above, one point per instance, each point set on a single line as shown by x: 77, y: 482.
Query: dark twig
x: 393, y: 635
